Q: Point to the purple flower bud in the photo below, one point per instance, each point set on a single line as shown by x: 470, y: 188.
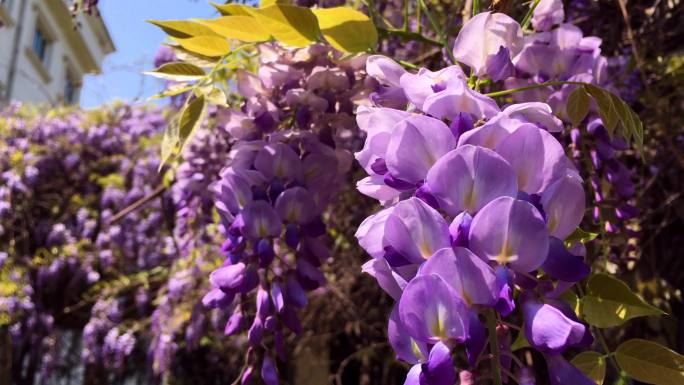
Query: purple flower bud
x: 229, y: 277
x: 268, y: 371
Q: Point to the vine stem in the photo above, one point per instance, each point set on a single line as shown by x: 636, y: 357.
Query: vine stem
x: 408, y: 35
x: 539, y: 85
x: 528, y: 16
x: 494, y: 347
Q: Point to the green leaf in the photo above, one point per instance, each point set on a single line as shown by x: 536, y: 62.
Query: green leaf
x: 211, y: 46
x: 289, y: 24
x: 181, y: 129
x: 592, y: 364
x: 232, y: 9
x: 650, y: 362
x: 605, y: 104
x: 182, y: 28
x: 177, y: 71
x: 191, y: 117
x: 573, y: 300
x: 169, y: 143
x: 580, y: 235
x: 238, y: 27
x: 347, y: 29
x: 578, y: 106
x: 520, y: 341
x: 172, y: 90
x: 610, y: 302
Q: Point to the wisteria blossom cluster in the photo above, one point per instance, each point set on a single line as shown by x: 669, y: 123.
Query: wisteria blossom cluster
x: 287, y: 163
x: 558, y: 51
x: 64, y: 177
x: 479, y: 201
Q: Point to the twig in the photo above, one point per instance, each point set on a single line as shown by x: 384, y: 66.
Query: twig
x: 137, y: 204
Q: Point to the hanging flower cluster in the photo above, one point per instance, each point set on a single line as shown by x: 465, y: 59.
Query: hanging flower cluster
x: 479, y: 202
x: 63, y: 178
x: 285, y: 166
x: 559, y: 51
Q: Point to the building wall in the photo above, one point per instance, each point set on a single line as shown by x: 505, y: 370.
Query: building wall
x: 71, y: 53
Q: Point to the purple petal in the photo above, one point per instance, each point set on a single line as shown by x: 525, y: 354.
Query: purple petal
x: 561, y: 372
x: 371, y: 233
x: 469, y: 177
x: 548, y: 330
x: 499, y: 66
x: 522, y: 149
x: 439, y: 368
x: 415, y: 230
x: 564, y: 205
x: 261, y: 220
x: 431, y: 311
x: 415, y: 145
x: 560, y: 264
x: 279, y: 161
x: 268, y: 371
x: 384, y: 69
x: 482, y: 36
x: 228, y: 277
x: 459, y: 229
x: 391, y: 282
x: 296, y: 205
x: 472, y: 278
x: 406, y: 348
x: 458, y: 99
x: 510, y: 231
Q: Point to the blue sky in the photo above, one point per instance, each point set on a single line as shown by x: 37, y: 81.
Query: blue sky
x: 136, y: 43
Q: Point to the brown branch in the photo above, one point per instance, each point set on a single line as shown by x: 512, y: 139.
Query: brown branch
x: 137, y: 204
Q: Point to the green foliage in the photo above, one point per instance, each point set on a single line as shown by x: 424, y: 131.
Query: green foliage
x: 178, y: 71
x: 209, y: 46
x: 182, y: 28
x: 592, y: 364
x: 610, y: 302
x: 238, y: 27
x: 614, y: 110
x: 578, y: 106
x: 650, y: 362
x: 346, y: 29
x: 181, y: 129
x: 581, y: 236
x: 289, y: 24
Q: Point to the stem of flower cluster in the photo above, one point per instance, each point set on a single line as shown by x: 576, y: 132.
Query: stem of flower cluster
x: 528, y: 15
x: 409, y: 35
x: 539, y: 85
x: 494, y: 347
x: 476, y: 7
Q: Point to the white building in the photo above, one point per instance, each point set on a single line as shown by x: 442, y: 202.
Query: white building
x: 43, y: 55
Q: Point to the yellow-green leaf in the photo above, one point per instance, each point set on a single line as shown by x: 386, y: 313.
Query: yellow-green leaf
x: 169, y: 143
x: 191, y: 117
x: 605, y: 105
x: 238, y: 27
x: 592, y: 364
x: 289, y: 24
x: 578, y: 106
x: 177, y: 71
x: 232, y: 9
x: 182, y: 28
x: 347, y: 29
x: 211, y: 46
x: 580, y: 235
x: 610, y: 302
x: 520, y: 341
x: 650, y: 362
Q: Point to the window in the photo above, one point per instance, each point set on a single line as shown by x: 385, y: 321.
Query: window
x: 7, y: 4
x: 41, y: 46
x: 70, y: 90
